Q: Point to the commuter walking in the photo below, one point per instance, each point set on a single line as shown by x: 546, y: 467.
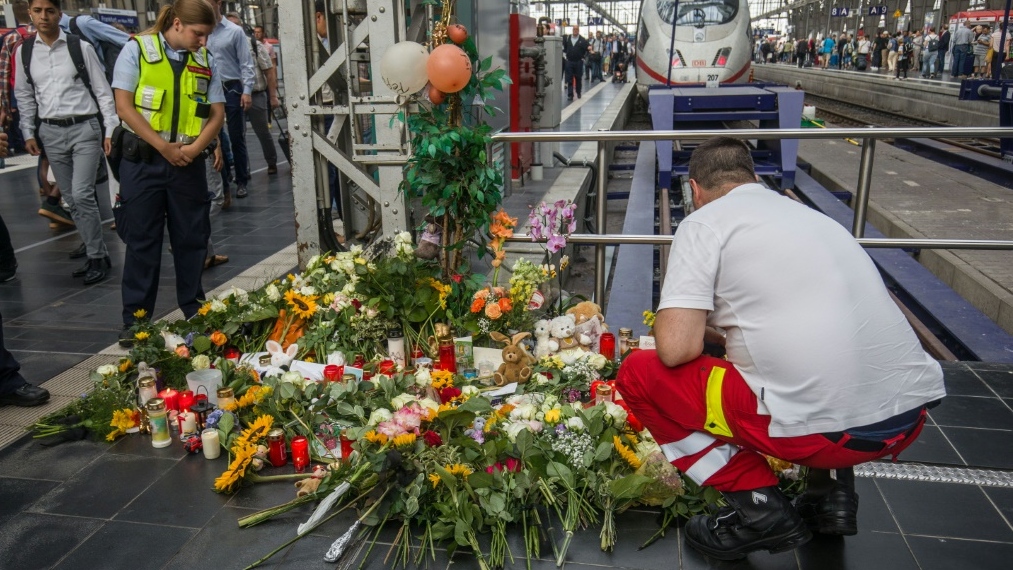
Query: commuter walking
x: 163, y: 169
x: 265, y: 97
x: 931, y: 55
x: 231, y: 49
x: 63, y: 93
x: 575, y: 47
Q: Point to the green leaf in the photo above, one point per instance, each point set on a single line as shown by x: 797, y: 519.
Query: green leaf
x: 603, y: 452
x: 461, y: 530
x: 201, y: 343
x: 480, y: 479
x: 629, y: 487
x: 226, y: 423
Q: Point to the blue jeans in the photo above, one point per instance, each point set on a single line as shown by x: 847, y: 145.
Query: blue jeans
x: 959, y: 55
x: 929, y: 62
x: 236, y: 119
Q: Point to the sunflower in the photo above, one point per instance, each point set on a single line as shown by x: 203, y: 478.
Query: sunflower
x: 441, y: 379
x: 204, y: 309
x: 405, y: 440
x: 141, y: 335
x: 228, y: 482
x: 140, y: 314
x: 626, y: 453
x: 373, y: 436
x: 257, y: 431
x: 778, y: 465
x: 459, y: 470
x: 303, y: 306
x: 434, y: 479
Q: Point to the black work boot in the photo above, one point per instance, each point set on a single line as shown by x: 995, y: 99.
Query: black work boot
x: 761, y: 519
x: 832, y: 509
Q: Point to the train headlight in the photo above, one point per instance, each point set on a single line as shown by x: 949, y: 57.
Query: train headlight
x: 721, y: 58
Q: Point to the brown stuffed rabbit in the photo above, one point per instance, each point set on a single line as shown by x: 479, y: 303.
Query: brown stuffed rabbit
x: 516, y: 365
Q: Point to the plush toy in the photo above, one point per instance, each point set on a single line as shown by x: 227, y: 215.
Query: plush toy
x: 280, y: 359
x: 542, y: 338
x: 516, y: 365
x: 429, y: 244
x: 590, y: 323
x: 561, y: 330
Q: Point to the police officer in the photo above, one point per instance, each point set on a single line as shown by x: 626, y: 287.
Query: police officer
x: 171, y: 101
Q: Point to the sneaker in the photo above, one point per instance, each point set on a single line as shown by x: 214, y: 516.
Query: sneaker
x: 241, y: 192
x: 126, y: 338
x: 56, y: 213
x: 7, y: 272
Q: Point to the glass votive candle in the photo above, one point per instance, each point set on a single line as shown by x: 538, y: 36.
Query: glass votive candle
x: 276, y: 447
x: 212, y: 446
x: 300, y: 453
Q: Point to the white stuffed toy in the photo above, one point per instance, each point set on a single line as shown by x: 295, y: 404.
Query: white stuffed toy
x: 563, y: 343
x: 542, y: 338
x: 280, y: 359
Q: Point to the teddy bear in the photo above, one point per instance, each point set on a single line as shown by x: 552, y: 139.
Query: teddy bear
x: 590, y: 323
x: 563, y: 343
x: 542, y: 338
x: 516, y: 365
x: 430, y: 242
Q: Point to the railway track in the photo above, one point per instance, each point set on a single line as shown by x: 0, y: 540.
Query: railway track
x: 844, y: 114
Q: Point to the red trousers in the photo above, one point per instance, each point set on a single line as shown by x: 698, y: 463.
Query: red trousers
x: 714, y: 435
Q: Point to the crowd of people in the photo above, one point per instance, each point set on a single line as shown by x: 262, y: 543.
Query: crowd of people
x: 970, y: 51
x: 591, y: 60
x: 160, y: 116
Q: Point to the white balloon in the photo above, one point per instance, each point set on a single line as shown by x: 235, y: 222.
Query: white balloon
x: 403, y: 67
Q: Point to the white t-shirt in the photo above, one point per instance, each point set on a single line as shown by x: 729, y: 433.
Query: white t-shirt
x: 809, y: 323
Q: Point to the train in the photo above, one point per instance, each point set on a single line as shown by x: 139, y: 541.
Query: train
x: 713, y: 42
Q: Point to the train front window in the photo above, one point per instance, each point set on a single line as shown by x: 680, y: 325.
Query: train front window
x: 699, y: 13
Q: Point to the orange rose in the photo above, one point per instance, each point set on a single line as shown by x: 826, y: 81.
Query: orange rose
x: 493, y: 311
x: 504, y: 304
x: 182, y: 351
x: 219, y: 338
x: 482, y: 294
x: 477, y: 305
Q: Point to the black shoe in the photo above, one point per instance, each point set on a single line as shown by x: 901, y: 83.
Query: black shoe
x: 761, y: 519
x: 26, y: 396
x: 80, y: 252
x: 126, y: 337
x: 98, y: 271
x: 83, y: 270
x: 241, y: 192
x: 272, y: 169
x: 834, y: 513
x: 578, y: 95
x: 8, y: 271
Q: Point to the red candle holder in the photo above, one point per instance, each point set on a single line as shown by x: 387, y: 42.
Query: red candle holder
x: 333, y: 372
x: 276, y: 447
x: 346, y: 446
x: 232, y: 353
x: 186, y: 399
x: 171, y: 398
x: 607, y: 345
x: 300, y: 453
x: 388, y: 367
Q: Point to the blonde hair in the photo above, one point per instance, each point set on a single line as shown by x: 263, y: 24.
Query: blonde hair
x: 189, y: 12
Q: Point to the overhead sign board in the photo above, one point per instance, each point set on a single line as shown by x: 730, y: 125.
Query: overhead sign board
x: 877, y: 11
x: 127, y: 18
x: 839, y: 12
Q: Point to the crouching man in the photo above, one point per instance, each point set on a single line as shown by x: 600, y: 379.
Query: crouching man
x: 823, y: 370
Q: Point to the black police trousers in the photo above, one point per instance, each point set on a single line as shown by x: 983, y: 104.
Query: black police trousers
x: 154, y: 195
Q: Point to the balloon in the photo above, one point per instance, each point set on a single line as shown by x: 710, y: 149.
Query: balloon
x: 457, y: 33
x: 449, y: 68
x: 403, y: 67
x: 436, y: 96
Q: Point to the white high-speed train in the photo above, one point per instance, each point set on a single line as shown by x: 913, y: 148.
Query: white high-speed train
x: 713, y: 42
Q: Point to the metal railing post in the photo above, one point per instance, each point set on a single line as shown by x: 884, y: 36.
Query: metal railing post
x: 600, y: 227
x: 862, y: 192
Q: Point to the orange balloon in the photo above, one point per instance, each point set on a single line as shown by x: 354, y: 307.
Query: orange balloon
x: 436, y: 96
x: 457, y: 33
x: 449, y: 68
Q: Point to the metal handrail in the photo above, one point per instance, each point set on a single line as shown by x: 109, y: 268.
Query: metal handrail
x: 869, y: 136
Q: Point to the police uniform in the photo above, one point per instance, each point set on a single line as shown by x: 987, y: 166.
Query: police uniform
x: 173, y: 92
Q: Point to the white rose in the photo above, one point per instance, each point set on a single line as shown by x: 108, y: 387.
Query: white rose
x: 539, y: 379
x: 107, y: 369
x: 597, y: 361
x: 295, y: 378
x: 575, y: 424
x: 617, y: 414
x: 379, y: 415
x: 469, y: 391
x: 218, y: 306
x: 372, y: 312
x: 514, y: 428
x: 402, y: 400
x: 272, y: 292
x: 355, y: 251
x: 429, y: 404
x: 201, y: 362
x: 308, y: 291
x: 524, y: 412
x: 422, y: 377
x: 517, y: 400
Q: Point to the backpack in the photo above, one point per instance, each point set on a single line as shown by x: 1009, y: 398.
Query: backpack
x: 934, y: 44
x: 110, y: 50
x: 76, y: 56
x: 24, y: 33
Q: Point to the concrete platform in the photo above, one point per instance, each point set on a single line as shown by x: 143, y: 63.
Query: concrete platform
x: 926, y: 99
x: 912, y: 197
